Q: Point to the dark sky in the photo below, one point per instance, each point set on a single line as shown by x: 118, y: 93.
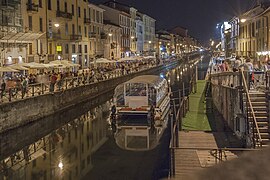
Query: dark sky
x: 198, y: 16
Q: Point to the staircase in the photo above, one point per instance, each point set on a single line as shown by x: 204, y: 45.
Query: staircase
x: 258, y: 101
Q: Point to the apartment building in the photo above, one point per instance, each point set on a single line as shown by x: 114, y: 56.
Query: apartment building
x: 253, y: 31
x: 119, y: 14
x: 10, y: 25
x: 112, y: 33
x: 71, y: 30
x: 96, y: 38
x: 149, y: 33
x: 140, y: 35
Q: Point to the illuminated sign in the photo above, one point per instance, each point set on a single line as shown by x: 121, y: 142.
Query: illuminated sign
x: 58, y: 48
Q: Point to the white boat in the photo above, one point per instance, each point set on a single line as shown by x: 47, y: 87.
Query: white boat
x: 140, y: 112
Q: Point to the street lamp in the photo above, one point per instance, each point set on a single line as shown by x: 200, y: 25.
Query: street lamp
x: 56, y: 25
x: 243, y: 20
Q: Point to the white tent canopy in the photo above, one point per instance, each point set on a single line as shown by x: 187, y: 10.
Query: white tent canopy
x: 102, y: 60
x: 18, y: 67
x: 132, y: 58
x: 34, y: 65
x: 64, y: 64
x: 149, y: 57
x: 7, y: 69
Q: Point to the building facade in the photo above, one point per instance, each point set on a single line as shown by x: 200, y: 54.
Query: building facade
x: 140, y: 35
x: 112, y: 46
x: 71, y: 30
x: 121, y: 17
x: 11, y: 24
x: 149, y: 34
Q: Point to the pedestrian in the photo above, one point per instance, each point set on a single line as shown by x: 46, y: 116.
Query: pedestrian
x: 24, y: 87
x: 3, y: 89
x: 237, y: 64
x: 52, y: 82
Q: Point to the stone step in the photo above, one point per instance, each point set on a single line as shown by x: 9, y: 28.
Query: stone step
x: 258, y: 103
x: 259, y: 113
x: 259, y: 118
x: 259, y: 108
x: 256, y: 94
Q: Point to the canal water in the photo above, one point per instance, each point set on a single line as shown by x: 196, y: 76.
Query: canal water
x: 78, y: 143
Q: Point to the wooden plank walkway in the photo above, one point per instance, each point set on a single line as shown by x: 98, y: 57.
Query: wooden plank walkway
x: 187, y: 160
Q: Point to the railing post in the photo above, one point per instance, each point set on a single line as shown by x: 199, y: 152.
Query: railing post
x: 66, y: 82
x: 33, y: 90
x: 42, y: 88
x: 9, y: 94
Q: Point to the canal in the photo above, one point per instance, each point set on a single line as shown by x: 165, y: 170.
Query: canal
x: 78, y: 143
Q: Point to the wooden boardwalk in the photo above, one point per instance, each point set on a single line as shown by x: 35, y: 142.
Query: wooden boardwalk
x: 194, y: 155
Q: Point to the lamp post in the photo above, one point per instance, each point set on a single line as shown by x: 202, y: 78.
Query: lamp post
x: 110, y: 46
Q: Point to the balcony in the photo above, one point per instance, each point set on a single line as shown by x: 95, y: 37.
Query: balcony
x: 87, y: 20
x: 10, y: 3
x: 103, y: 36
x: 75, y: 37
x: 125, y: 36
x: 92, y: 35
x: 54, y: 36
x: 32, y: 7
x: 64, y: 14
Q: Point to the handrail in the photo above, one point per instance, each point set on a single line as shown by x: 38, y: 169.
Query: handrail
x: 252, y: 110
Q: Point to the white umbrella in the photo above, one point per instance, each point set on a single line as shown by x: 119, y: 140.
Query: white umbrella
x: 34, y: 65
x: 18, y: 67
x: 133, y: 58
x: 102, y: 60
x: 65, y: 63
x: 7, y: 69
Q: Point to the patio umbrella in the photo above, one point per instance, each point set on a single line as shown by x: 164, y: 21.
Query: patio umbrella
x: 18, y: 67
x: 7, y: 69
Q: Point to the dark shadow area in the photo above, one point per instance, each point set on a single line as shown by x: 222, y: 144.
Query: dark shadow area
x: 224, y: 136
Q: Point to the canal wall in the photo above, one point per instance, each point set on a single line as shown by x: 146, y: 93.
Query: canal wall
x: 21, y: 112
x: 227, y: 99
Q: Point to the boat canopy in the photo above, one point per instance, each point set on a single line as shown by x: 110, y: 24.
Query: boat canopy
x: 152, y: 80
x: 141, y: 91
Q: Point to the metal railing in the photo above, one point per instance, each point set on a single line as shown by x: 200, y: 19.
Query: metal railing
x: 17, y: 92
x: 176, y: 125
x: 257, y: 138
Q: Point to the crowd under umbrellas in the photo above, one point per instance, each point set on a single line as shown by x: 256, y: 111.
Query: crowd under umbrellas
x: 20, y: 76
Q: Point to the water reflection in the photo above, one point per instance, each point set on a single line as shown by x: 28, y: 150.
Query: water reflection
x: 65, y: 153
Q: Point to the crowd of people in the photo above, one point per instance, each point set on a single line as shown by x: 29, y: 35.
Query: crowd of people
x: 12, y: 83
x: 237, y: 64
x: 255, y: 69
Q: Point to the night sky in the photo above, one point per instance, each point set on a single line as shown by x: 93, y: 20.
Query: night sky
x: 198, y: 16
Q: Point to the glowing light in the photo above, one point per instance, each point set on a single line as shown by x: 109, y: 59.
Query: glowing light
x: 61, y: 165
x: 9, y: 59
x: 20, y: 59
x: 110, y: 34
x: 132, y: 37
x: 161, y: 75
x: 150, y: 42
x: 56, y: 25
x: 243, y: 20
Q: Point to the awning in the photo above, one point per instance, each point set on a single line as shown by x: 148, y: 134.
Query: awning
x: 20, y: 37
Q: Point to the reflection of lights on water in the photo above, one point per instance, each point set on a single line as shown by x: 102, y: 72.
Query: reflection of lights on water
x: 61, y: 165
